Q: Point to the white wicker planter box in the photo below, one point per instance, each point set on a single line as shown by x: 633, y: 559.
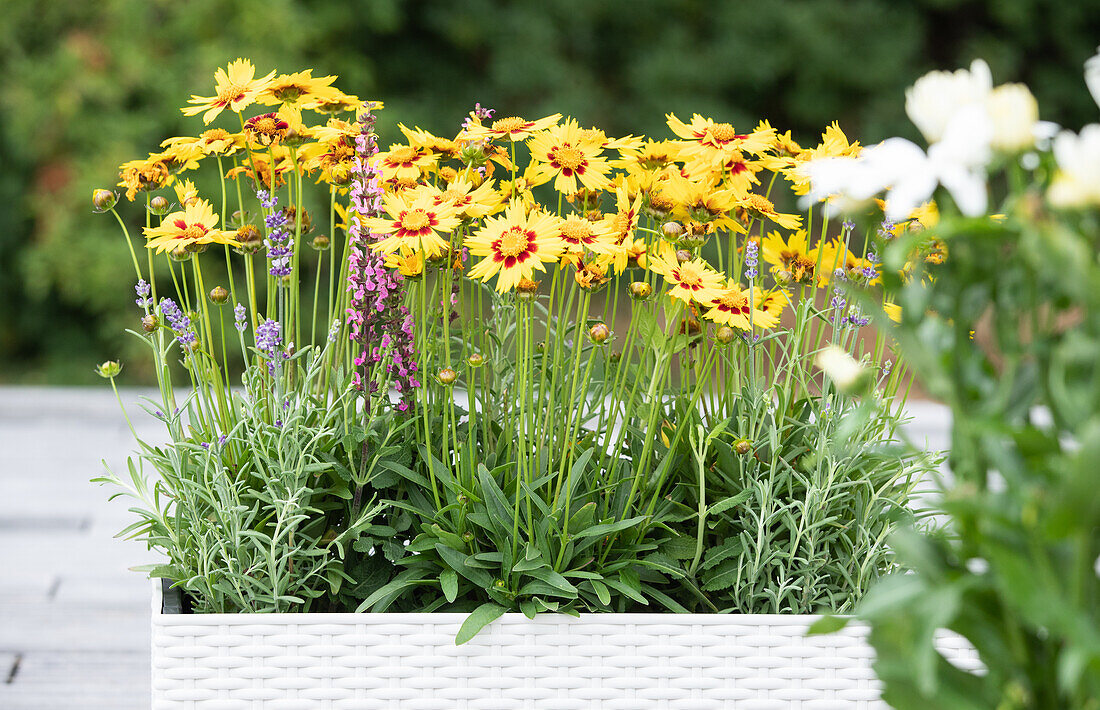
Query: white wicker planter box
x: 556, y: 662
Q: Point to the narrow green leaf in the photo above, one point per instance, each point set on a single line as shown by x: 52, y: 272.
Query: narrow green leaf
x: 477, y: 620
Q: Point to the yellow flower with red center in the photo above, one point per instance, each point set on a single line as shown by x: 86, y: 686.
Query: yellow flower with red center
x: 236, y: 89
x: 265, y: 129
x: 791, y: 255
x: 419, y: 138
x: 405, y: 162
x: 186, y: 192
x: 283, y: 165
x: 216, y: 141
x: 703, y: 202
x: 339, y: 102
x: 409, y: 264
x: 582, y: 235
x: 298, y: 87
x: 513, y: 128
x: 736, y: 307
x: 414, y: 225
x: 691, y: 280
x: 649, y: 155
x: 514, y: 246
x: 707, y: 134
x: 195, y: 224
x: 622, y: 223
x: 561, y: 153
x: 467, y: 201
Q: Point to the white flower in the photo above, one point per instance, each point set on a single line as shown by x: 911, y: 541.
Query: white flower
x: 937, y: 96
x: 1092, y: 76
x: 908, y: 175
x: 1077, y: 183
x: 840, y: 367
x: 1014, y: 113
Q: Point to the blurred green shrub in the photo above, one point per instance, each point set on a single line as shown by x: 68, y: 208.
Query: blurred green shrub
x: 87, y: 85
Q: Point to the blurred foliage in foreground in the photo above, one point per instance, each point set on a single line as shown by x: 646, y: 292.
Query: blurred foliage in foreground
x: 86, y: 86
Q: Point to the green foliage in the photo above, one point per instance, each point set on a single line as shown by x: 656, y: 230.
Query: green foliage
x: 1015, y: 572
x: 89, y: 85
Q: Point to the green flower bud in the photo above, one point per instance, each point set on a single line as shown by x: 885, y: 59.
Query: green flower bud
x: 219, y: 295
x: 108, y: 370
x: 103, y: 200
x: 447, y: 377
x: 159, y: 206
x: 149, y: 323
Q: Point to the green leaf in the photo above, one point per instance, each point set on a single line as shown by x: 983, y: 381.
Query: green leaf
x: 601, y: 591
x: 828, y: 624
x: 553, y: 579
x: 478, y: 619
x: 724, y: 505
x: 459, y: 562
x: 448, y: 582
x: 609, y: 528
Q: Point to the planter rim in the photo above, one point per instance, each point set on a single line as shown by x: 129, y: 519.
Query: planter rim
x: 548, y: 618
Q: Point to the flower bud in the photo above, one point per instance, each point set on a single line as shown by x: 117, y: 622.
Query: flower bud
x: 500, y: 584
x: 463, y: 499
x: 527, y: 289
x: 248, y: 238
x: 640, y: 290
x: 475, y: 360
x: 108, y: 370
x: 196, y: 247
x: 783, y: 276
x: 286, y: 280
x: 724, y: 335
x: 672, y: 230
x: 320, y: 242
x: 448, y: 174
x: 219, y: 295
x: 293, y: 138
x: 683, y: 255
x: 742, y: 446
x: 467, y: 536
x: 103, y: 200
x: 149, y: 323
x: 447, y: 376
x: 159, y: 206
x: 599, y: 333
x: 179, y: 254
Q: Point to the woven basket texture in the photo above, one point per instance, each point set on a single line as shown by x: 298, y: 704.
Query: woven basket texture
x: 554, y: 662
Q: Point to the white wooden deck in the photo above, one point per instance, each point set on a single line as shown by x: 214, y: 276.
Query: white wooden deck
x: 74, y: 621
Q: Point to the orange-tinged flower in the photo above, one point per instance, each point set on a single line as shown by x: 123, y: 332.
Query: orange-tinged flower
x: 760, y: 207
x: 186, y: 192
x: 283, y: 165
x: 236, y: 89
x: 514, y: 246
x: 561, y: 153
x: 467, y: 201
x: 195, y: 224
x: 143, y: 175
x: 265, y: 129
x: 215, y: 141
x: 691, y: 280
x: 414, y: 225
x: 513, y: 128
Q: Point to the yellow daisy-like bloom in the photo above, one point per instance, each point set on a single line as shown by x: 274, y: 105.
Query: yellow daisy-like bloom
x: 514, y: 245
x: 299, y: 86
x: 467, y: 201
x: 143, y: 175
x: 405, y: 162
x: 736, y: 307
x: 770, y: 307
x: 236, y: 89
x: 195, y: 224
x: 760, y: 207
x: 186, y: 192
x: 283, y: 165
x: 622, y: 223
x: 692, y: 280
x: 792, y: 256
x: 834, y: 144
x: 419, y: 138
x: 216, y: 141
x: 413, y: 225
x: 338, y: 102
x: 893, y: 311
x: 513, y: 128
x: 836, y: 256
x: 409, y: 264
x: 582, y: 236
x: 560, y: 152
x: 702, y: 202
x: 650, y: 155
x: 720, y: 136
x: 597, y: 138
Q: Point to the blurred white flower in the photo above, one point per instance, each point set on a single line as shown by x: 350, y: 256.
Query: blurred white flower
x: 840, y: 367
x: 936, y: 97
x: 907, y: 174
x: 1092, y: 76
x: 1014, y: 112
x: 1077, y: 183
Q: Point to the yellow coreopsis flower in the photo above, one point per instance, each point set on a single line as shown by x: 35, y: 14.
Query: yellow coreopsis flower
x: 467, y: 201
x: 405, y: 162
x: 195, y: 224
x: 143, y: 175
x: 760, y: 207
x: 622, y: 223
x: 703, y: 202
x: 770, y: 306
x: 414, y: 225
x: 650, y: 155
x: 513, y: 128
x: 299, y: 87
x: 582, y: 235
x: 419, y: 138
x: 186, y: 192
x: 691, y: 280
x: 736, y: 307
x: 409, y: 264
x: 560, y: 152
x: 706, y: 134
x: 216, y: 141
x: 236, y: 88
x: 792, y: 255
x: 514, y: 245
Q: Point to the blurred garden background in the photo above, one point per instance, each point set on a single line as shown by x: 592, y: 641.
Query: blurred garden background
x: 85, y: 86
